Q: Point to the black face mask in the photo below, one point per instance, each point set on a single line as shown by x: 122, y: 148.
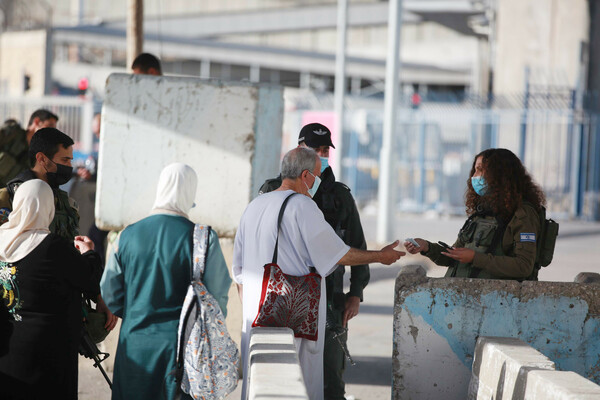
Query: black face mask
x: 62, y: 175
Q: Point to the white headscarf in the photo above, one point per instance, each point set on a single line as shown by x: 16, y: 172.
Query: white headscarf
x: 27, y: 226
x: 176, y: 190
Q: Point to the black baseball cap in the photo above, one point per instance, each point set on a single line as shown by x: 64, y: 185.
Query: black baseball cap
x: 315, y: 135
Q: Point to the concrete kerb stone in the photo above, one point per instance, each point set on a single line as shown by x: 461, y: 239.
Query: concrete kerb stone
x: 437, y: 323
x: 541, y: 384
x: 274, y: 368
x: 497, y: 364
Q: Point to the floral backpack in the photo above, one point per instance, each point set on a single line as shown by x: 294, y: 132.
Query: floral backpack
x: 207, y: 357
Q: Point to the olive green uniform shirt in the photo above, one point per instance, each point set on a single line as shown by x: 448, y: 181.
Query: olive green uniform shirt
x: 513, y: 259
x: 66, y: 213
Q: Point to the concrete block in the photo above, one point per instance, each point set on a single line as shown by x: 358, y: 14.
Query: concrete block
x: 587, y: 277
x: 555, y: 385
x: 437, y: 323
x: 416, y: 270
x: 230, y: 133
x: 274, y: 368
x: 496, y: 366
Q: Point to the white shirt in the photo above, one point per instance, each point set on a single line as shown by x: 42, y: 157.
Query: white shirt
x: 305, y: 240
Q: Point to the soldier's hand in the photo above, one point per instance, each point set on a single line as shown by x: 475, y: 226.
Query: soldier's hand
x: 460, y: 254
x: 412, y: 249
x: 111, y: 319
x: 388, y: 255
x: 351, y: 310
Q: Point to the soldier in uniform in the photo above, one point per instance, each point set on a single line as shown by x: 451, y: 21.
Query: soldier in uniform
x: 50, y: 153
x: 499, y: 239
x: 39, y: 119
x: 13, y: 151
x: 337, y: 204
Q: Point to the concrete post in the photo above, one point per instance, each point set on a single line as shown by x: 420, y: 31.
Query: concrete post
x: 386, y: 189
x: 340, y: 81
x: 135, y: 30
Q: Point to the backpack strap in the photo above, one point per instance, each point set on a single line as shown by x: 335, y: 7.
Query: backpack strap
x: 200, y: 250
x: 279, y: 227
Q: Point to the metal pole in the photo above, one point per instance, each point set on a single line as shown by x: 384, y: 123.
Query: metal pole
x: 523, y: 138
x: 386, y: 188
x: 135, y: 30
x: 340, y: 82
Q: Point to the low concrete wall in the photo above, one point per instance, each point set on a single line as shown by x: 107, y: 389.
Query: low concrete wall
x: 556, y: 385
x: 274, y: 367
x: 508, y: 368
x: 497, y: 364
x: 437, y: 323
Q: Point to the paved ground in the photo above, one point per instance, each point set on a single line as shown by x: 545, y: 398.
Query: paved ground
x: 370, y: 341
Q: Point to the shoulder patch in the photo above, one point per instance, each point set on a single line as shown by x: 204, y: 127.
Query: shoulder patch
x: 528, y: 237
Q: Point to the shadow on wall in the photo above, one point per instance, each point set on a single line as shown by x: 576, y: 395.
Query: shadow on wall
x: 369, y: 371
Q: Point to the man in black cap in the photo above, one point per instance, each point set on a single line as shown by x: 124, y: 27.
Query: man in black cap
x: 337, y: 204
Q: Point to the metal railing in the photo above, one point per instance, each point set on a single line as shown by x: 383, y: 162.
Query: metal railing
x: 435, y: 144
x: 75, y: 116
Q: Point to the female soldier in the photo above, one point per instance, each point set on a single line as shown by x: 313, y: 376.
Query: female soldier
x: 498, y: 240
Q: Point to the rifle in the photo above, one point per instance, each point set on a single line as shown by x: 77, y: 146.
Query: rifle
x: 88, y: 349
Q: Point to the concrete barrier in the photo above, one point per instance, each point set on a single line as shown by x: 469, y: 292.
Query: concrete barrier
x: 555, y: 385
x: 510, y: 369
x: 229, y: 132
x: 274, y: 368
x: 497, y: 364
x: 437, y: 323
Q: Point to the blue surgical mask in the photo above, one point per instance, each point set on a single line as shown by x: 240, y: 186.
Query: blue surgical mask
x: 313, y: 190
x: 479, y: 185
x: 324, y: 163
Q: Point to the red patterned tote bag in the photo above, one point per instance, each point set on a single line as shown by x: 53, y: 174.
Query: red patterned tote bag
x: 289, y: 301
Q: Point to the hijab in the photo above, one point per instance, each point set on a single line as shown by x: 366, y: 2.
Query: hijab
x: 27, y: 226
x: 176, y: 190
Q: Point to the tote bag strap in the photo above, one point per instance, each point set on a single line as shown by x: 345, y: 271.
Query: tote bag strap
x: 200, y: 250
x: 279, y: 226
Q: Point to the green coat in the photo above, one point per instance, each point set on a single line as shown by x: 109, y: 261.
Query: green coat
x: 145, y: 282
x: 513, y: 259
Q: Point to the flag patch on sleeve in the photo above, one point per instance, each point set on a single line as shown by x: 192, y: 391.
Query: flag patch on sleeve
x: 528, y: 237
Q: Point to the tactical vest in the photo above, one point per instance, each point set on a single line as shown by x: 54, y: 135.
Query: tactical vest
x: 66, y: 213
x: 66, y: 218
x: 13, y: 154
x: 483, y: 234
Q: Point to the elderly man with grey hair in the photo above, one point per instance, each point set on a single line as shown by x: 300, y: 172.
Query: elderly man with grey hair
x: 305, y: 240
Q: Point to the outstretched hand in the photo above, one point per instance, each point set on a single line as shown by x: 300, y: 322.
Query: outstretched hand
x: 412, y: 249
x: 388, y: 255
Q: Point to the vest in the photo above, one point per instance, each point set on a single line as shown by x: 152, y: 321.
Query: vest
x: 66, y: 212
x: 66, y: 218
x: 13, y: 152
x: 483, y: 234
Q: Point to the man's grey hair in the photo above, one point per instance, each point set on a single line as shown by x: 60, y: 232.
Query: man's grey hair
x: 296, y: 161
